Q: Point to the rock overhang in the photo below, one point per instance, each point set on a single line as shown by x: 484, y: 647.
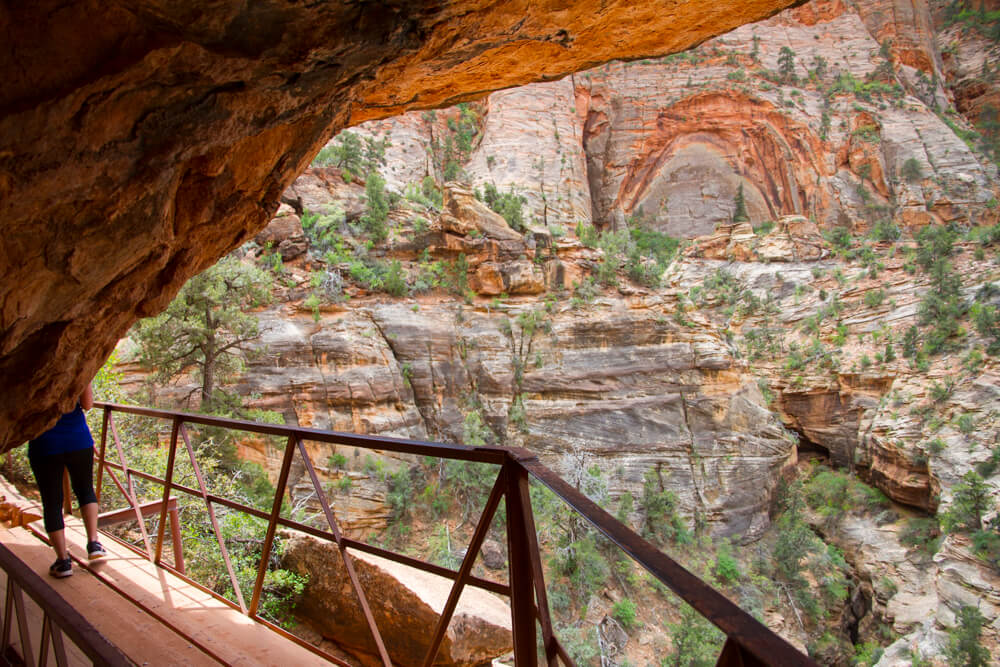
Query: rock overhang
x: 139, y: 142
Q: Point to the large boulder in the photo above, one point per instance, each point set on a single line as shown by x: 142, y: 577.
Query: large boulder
x: 405, y: 602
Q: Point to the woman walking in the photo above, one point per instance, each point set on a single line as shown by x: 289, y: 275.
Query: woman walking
x: 67, y: 446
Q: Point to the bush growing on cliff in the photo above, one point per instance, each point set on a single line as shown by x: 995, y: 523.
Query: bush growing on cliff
x: 911, y: 170
x: 987, y: 322
x: 833, y: 493
x: 740, y: 206
x: 942, y: 306
x: 922, y: 533
x: 378, y: 205
x: 840, y: 238
x: 695, y: 641
x: 797, y: 547
x: 726, y: 567
x: 786, y: 64
x: 509, y: 205
x: 624, y: 611
x: 663, y: 524
x: 323, y: 228
x: 964, y: 647
x: 344, y: 152
x: 886, y: 230
x: 970, y: 503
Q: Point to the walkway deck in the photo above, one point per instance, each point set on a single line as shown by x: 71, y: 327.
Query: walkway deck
x: 154, y: 617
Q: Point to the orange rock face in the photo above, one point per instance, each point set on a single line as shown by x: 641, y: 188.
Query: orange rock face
x: 139, y: 143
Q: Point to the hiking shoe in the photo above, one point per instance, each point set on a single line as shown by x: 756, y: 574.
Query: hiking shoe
x: 95, y: 550
x: 63, y: 567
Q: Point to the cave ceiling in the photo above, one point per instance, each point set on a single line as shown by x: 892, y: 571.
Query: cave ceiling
x: 142, y: 140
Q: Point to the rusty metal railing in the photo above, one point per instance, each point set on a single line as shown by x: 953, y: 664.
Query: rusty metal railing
x: 58, y: 618
x: 748, y: 642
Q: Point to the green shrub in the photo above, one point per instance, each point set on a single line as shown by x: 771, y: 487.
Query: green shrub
x: 663, y: 523
x: 874, y: 299
x: 971, y: 500
x: 509, y: 205
x: 987, y: 322
x: 726, y: 567
x: 399, y: 495
x: 624, y: 611
x: 832, y: 493
x: 867, y: 654
x: 966, y: 423
x: 990, y: 465
x: 377, y: 211
x: 840, y: 238
x: 964, y: 647
x: 912, y: 171
x: 886, y: 230
x: 695, y: 641
x: 921, y: 533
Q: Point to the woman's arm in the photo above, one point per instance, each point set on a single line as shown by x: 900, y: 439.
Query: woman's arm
x: 87, y: 400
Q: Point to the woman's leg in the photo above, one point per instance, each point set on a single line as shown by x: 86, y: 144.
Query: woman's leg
x: 81, y: 476
x: 58, y: 540
x: 48, y: 471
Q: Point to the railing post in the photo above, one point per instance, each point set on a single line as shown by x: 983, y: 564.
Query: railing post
x: 265, y: 551
x: 203, y: 489
x: 175, y: 533
x: 104, y: 444
x: 129, y: 492
x: 168, y: 483
x: 522, y: 585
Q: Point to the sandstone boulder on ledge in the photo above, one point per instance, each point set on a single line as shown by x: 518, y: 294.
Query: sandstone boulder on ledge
x: 406, y: 604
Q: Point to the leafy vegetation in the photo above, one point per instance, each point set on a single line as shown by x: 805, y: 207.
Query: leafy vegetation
x: 964, y: 647
x: 942, y: 306
x: 508, y: 204
x: 207, y: 327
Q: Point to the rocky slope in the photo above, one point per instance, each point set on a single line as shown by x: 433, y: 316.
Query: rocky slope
x: 760, y: 342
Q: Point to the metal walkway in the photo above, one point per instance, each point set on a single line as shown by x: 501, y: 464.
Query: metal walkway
x: 146, y: 613
x: 157, y: 613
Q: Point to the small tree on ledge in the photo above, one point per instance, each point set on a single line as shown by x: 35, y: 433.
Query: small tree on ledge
x: 740, y: 214
x: 206, y: 326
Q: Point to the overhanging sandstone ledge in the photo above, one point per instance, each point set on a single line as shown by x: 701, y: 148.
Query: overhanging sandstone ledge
x: 140, y: 141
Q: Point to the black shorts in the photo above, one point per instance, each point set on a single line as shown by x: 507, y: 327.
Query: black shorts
x: 48, y: 469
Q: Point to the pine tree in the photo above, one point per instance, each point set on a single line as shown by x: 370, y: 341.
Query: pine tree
x: 786, y: 63
x: 971, y: 502
x: 347, y: 153
x: 378, y: 206
x: 740, y: 211
x: 824, y: 125
x: 206, y: 326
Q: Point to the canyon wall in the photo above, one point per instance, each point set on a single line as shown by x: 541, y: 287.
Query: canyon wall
x: 141, y: 142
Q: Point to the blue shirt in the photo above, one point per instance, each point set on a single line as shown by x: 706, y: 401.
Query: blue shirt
x: 68, y: 435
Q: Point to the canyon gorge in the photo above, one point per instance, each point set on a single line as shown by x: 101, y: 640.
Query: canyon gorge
x: 727, y: 280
